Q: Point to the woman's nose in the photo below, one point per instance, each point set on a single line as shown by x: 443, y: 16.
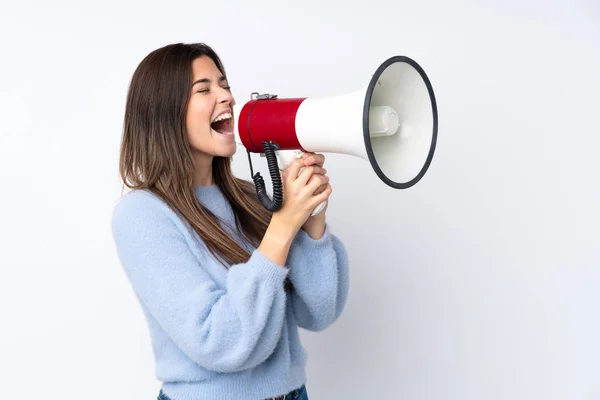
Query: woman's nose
x: 226, y: 96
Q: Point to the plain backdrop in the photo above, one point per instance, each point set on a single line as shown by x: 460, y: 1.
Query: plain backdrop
x: 482, y: 282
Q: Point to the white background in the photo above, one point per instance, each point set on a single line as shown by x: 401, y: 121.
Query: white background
x: 482, y: 282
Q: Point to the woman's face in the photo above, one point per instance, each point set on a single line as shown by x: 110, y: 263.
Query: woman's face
x: 209, y: 118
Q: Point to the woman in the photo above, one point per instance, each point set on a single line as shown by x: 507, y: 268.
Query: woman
x: 223, y: 283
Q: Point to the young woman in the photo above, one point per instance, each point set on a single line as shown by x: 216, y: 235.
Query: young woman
x: 223, y: 283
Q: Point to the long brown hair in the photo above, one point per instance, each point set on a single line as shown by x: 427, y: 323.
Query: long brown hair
x: 155, y: 154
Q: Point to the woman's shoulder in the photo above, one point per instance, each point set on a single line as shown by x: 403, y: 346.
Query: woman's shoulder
x: 142, y: 207
x: 138, y: 200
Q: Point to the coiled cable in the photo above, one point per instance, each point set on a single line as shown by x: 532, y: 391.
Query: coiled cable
x: 276, y: 202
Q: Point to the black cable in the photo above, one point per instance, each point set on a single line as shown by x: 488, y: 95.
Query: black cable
x: 277, y: 201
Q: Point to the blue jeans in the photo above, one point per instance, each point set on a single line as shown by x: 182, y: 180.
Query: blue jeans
x: 296, y: 394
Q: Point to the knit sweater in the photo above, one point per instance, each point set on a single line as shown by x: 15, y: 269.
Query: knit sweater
x: 225, y: 333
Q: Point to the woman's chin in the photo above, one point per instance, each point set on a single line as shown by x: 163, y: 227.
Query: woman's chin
x: 227, y: 146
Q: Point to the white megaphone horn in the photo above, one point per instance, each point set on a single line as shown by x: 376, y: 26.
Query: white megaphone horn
x: 392, y: 123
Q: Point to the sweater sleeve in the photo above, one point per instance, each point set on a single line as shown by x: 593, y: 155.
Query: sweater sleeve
x: 319, y: 271
x: 224, y: 329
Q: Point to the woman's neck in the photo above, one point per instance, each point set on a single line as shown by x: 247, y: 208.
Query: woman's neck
x: 203, y: 175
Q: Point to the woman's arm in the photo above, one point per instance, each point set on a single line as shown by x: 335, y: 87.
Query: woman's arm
x: 224, y: 329
x: 319, y: 271
x: 319, y: 268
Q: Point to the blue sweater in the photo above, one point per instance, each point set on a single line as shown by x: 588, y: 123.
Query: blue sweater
x: 221, y: 333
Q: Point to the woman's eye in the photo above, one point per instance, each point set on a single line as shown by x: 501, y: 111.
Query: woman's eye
x: 208, y: 90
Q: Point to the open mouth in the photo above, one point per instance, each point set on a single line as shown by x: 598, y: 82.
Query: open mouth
x: 223, y: 123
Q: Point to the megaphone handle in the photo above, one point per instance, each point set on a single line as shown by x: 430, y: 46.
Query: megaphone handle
x: 286, y: 158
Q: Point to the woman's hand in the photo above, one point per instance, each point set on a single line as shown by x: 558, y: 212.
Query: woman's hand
x: 315, y: 225
x: 318, y: 160
x: 305, y: 186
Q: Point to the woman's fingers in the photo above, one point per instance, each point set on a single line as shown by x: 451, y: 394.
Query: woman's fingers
x: 323, y: 196
x: 308, y: 172
x: 313, y: 159
x: 291, y: 172
x: 316, y: 182
x: 310, y: 179
x: 321, y: 188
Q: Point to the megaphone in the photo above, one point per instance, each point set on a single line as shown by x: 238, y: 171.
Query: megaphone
x: 392, y: 123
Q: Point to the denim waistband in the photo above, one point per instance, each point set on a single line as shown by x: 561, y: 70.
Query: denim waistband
x: 294, y: 394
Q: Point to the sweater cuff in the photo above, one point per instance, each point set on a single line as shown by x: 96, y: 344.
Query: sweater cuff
x: 267, y: 268
x: 304, y: 240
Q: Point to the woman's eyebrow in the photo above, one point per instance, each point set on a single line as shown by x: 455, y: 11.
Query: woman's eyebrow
x: 206, y: 80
